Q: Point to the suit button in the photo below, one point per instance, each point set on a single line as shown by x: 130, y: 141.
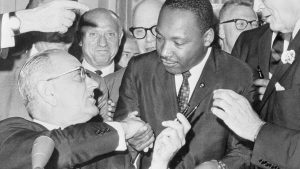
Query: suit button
x: 99, y: 131
x: 202, y: 85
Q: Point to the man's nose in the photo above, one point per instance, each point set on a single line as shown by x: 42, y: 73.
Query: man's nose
x: 149, y: 37
x: 166, y: 50
x: 102, y: 41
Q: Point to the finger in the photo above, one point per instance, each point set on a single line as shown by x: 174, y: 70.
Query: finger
x: 67, y: 23
x: 222, y: 104
x: 177, y: 126
x: 145, y: 144
x: 219, y: 113
x: 142, y: 132
x: 62, y: 29
x: 260, y: 97
x: 132, y: 114
x: 70, y: 15
x: 261, y: 90
x: 72, y: 5
x: 261, y: 82
x: 184, y: 122
x: 222, y: 93
x: 109, y: 114
x: 173, y: 136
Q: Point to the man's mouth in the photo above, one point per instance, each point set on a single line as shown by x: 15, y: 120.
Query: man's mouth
x: 264, y: 18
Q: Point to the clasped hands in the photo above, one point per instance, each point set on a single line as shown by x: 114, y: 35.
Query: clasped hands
x: 140, y: 137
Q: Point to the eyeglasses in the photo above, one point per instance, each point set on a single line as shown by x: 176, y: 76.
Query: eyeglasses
x: 80, y: 68
x: 241, y: 24
x: 141, y: 32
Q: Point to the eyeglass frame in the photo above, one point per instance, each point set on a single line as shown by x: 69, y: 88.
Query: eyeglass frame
x: 235, y: 21
x: 131, y: 29
x: 83, y: 73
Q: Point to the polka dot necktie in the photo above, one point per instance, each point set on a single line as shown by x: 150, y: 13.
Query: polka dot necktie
x: 184, y: 92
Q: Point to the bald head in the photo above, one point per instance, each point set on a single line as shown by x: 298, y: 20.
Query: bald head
x: 146, y: 16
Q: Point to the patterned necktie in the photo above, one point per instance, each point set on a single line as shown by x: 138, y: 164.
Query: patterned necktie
x: 99, y: 72
x: 184, y: 92
x: 276, y: 51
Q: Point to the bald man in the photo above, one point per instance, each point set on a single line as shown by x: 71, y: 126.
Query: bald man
x: 144, y: 22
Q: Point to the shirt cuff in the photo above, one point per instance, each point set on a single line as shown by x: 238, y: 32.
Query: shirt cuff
x: 7, y: 34
x: 122, y: 143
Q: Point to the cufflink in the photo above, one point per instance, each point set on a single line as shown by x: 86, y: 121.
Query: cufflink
x: 14, y: 23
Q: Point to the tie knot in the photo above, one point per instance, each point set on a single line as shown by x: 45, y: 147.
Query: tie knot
x: 186, y: 75
x: 99, y: 72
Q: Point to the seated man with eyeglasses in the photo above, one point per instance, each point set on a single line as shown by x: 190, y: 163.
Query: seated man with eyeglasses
x: 235, y: 17
x: 144, y: 24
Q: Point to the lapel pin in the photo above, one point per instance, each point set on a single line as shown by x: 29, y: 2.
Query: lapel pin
x: 202, y: 85
x: 288, y: 57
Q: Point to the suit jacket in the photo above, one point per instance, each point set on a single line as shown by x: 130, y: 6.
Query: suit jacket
x: 149, y: 89
x: 74, y: 146
x: 11, y: 102
x: 113, y: 82
x: 278, y: 107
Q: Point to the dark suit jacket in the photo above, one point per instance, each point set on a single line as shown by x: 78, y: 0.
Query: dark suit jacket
x: 113, y: 82
x: 74, y: 145
x: 278, y: 107
x: 148, y: 88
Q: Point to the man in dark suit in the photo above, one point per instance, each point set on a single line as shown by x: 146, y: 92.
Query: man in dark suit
x: 54, y: 16
x: 59, y: 96
x: 181, y: 74
x: 280, y: 103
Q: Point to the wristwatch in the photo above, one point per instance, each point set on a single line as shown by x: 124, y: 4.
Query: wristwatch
x: 14, y: 23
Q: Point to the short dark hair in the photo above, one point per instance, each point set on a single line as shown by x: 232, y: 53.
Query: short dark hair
x: 201, y: 8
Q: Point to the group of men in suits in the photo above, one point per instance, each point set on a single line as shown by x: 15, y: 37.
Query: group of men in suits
x: 184, y: 74
x: 277, y: 79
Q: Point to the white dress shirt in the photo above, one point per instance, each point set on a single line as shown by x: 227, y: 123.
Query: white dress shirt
x: 116, y: 125
x: 7, y: 35
x: 195, y: 71
x: 105, y: 71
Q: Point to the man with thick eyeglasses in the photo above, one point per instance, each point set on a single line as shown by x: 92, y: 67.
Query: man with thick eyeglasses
x: 144, y: 23
x: 58, y: 94
x: 235, y: 17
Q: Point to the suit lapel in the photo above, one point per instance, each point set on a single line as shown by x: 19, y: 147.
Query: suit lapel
x: 167, y: 85
x: 207, y: 81
x: 264, y: 51
x: 281, y: 70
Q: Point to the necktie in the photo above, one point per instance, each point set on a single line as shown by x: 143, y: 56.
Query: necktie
x: 184, y: 92
x: 276, y: 51
x: 99, y: 72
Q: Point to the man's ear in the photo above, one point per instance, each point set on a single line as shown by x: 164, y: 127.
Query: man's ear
x: 80, y: 43
x: 46, y: 92
x: 209, y: 36
x: 121, y: 36
x: 221, y: 32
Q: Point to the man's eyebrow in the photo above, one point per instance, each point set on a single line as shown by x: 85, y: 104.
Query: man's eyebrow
x: 88, y: 23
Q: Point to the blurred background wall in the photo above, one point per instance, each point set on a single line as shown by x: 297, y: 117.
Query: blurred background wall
x: 122, y: 7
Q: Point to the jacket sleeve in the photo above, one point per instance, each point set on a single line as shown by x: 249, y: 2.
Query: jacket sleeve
x: 128, y: 96
x: 277, y: 147
x: 77, y: 144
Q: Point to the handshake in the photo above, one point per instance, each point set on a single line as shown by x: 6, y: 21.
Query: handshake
x: 140, y: 137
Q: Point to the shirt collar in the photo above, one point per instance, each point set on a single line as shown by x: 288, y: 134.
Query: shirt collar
x: 105, y: 71
x: 47, y: 125
x: 296, y: 29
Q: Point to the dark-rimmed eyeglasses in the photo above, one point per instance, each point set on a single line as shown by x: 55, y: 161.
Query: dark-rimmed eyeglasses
x: 141, y: 32
x: 241, y: 24
x: 80, y: 68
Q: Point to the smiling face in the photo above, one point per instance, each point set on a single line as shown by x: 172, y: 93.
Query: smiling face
x: 280, y: 14
x: 101, y: 38
x: 180, y: 42
x: 73, y: 94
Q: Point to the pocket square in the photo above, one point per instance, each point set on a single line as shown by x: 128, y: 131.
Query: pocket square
x: 278, y: 87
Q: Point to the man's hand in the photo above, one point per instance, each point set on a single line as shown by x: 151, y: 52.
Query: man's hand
x: 132, y: 124
x: 262, y: 86
x: 143, y: 139
x: 237, y: 113
x: 169, y: 141
x: 55, y: 16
